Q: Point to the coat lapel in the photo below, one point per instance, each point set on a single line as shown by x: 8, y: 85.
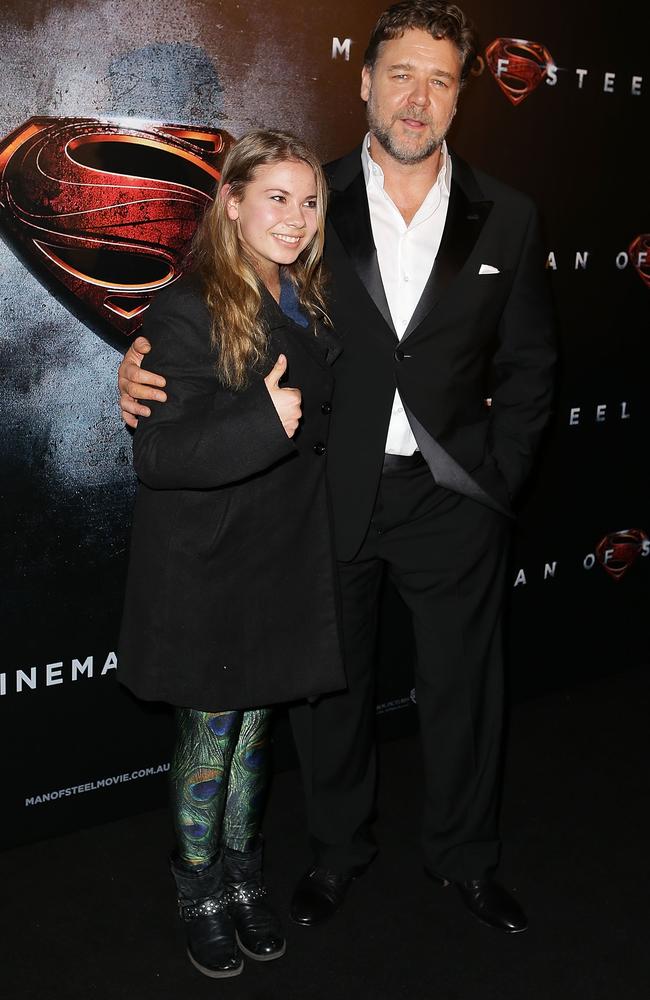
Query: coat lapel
x: 350, y: 217
x: 463, y: 225
x: 324, y: 345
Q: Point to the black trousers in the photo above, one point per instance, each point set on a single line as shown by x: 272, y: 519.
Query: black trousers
x: 446, y: 555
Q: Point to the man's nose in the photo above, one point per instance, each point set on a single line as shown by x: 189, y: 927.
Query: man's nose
x: 420, y: 93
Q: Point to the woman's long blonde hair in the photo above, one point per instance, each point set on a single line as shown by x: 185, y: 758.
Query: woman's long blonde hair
x: 230, y: 281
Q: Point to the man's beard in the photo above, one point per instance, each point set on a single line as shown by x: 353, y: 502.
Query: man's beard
x: 403, y: 152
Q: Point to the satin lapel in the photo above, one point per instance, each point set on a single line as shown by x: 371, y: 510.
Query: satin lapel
x: 350, y: 218
x: 465, y: 220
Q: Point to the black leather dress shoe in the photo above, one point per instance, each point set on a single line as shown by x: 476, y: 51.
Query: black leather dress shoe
x: 318, y: 896
x: 493, y: 905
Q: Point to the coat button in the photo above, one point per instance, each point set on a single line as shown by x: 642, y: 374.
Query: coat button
x: 320, y: 448
x: 399, y: 354
x: 326, y: 408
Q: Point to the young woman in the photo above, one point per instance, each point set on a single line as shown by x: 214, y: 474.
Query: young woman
x: 230, y: 598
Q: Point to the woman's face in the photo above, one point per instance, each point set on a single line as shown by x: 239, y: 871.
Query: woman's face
x: 277, y: 214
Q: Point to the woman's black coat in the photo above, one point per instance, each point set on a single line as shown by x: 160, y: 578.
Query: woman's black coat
x: 230, y: 600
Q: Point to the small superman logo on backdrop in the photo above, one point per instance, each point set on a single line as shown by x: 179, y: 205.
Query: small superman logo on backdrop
x: 518, y: 66
x: 107, y: 208
x: 619, y: 550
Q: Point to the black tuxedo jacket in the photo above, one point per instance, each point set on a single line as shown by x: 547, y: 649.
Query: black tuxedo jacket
x: 473, y: 336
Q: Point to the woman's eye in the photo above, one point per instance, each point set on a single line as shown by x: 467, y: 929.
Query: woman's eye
x: 311, y: 203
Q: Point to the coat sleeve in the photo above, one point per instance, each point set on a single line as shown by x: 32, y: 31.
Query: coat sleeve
x: 204, y: 436
x: 524, y: 365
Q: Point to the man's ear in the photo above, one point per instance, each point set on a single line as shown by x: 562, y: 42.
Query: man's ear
x: 230, y: 201
x: 366, y: 79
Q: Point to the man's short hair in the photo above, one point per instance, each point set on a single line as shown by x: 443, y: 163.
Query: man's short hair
x: 438, y: 18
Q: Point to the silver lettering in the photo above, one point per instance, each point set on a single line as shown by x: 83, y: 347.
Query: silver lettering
x: 53, y: 674
x: 28, y: 679
x: 341, y: 48
x: 82, y: 668
x: 111, y: 663
x: 551, y: 74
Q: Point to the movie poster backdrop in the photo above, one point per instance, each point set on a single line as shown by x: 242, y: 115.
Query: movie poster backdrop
x: 114, y: 121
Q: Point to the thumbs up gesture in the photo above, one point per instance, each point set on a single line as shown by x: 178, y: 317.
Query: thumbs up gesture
x: 287, y: 402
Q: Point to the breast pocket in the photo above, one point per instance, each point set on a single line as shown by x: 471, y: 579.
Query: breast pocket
x: 490, y: 291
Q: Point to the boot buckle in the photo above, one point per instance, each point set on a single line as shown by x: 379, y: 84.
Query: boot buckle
x: 207, y: 907
x: 247, y: 894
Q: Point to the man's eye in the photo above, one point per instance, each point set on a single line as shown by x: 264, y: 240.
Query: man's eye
x: 277, y: 197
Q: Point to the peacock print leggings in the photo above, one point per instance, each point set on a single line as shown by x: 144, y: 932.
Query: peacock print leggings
x: 219, y: 778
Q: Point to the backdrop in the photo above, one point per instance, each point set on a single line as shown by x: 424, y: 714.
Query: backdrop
x: 113, y: 124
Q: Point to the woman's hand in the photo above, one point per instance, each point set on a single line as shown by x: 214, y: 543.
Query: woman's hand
x: 286, y: 401
x: 134, y: 383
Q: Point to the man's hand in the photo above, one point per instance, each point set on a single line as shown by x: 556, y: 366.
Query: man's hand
x: 135, y: 384
x: 286, y: 401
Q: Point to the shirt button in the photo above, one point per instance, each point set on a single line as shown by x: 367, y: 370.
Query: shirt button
x: 319, y: 448
x: 326, y: 408
x: 406, y: 277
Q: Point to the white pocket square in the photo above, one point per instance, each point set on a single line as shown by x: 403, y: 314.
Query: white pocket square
x: 488, y: 269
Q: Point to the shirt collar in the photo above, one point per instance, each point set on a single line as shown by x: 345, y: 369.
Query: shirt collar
x: 372, y: 170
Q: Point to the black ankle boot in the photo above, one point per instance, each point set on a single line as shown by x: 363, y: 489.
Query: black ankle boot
x: 203, y: 905
x: 258, y: 929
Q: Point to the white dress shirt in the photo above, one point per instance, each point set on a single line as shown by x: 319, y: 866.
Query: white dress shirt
x: 405, y: 255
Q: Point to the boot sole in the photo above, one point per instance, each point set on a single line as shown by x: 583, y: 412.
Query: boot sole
x: 260, y: 958
x: 215, y: 973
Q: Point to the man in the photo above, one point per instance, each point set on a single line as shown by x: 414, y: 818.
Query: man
x: 438, y: 294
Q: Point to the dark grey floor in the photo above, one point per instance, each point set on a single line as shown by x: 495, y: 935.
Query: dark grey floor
x: 92, y: 915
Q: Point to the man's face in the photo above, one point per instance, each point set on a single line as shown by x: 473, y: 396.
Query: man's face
x: 411, y: 94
